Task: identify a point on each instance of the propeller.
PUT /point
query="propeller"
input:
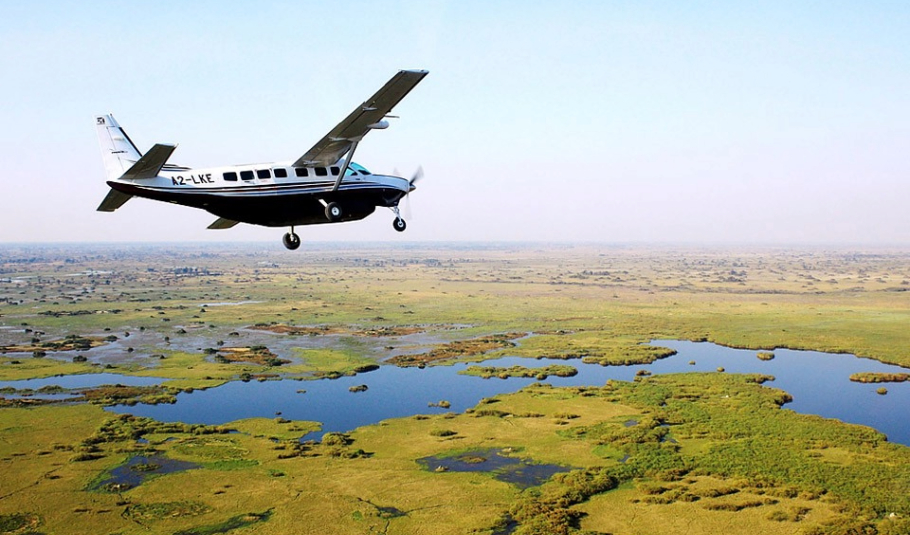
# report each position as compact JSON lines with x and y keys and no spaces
{"x":418,"y":174}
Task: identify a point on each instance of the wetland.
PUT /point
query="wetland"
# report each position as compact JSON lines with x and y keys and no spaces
{"x":406,"y":361}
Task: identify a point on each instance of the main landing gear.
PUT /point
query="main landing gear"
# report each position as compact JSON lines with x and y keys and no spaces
{"x":291,"y":240}
{"x":333,"y":212}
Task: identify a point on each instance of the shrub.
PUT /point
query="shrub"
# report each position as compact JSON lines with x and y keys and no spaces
{"x":336,"y":439}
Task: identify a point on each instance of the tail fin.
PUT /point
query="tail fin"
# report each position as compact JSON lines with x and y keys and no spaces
{"x":117,"y":150}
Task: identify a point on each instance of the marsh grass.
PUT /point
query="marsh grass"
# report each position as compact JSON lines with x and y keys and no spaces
{"x":273,"y":428}
{"x":582,"y":302}
{"x":160,"y":510}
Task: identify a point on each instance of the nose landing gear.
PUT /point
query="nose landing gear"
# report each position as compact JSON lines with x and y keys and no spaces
{"x":398,"y":224}
{"x":291,"y":240}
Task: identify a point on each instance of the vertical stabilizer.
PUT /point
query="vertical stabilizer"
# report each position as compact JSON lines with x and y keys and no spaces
{"x":117,"y":150}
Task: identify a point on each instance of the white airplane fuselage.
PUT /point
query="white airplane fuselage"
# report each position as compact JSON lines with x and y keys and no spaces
{"x":273,"y":194}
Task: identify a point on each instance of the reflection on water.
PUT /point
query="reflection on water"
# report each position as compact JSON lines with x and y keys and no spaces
{"x":818,"y":382}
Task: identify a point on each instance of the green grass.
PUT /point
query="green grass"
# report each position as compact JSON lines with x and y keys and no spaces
{"x":275,"y":428}
{"x":792,"y":473}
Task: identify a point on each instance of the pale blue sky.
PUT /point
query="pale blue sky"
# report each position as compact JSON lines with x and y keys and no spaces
{"x":698,"y":122}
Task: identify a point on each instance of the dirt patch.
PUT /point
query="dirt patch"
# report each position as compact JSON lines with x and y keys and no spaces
{"x":458,"y":349}
{"x":389,"y":331}
{"x":255,"y":354}
{"x":324,"y":330}
{"x":318,"y":330}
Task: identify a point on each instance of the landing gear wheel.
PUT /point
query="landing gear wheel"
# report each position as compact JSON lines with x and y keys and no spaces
{"x":333,"y":211}
{"x":399,"y":224}
{"x":291,"y":240}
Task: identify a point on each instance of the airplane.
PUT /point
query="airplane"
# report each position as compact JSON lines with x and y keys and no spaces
{"x":322,"y":186}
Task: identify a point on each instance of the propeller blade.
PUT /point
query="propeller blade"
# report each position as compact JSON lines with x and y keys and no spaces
{"x":407,"y":207}
{"x":418,"y":174}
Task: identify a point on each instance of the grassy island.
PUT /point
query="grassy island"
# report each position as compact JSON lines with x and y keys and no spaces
{"x":880,"y":377}
{"x":542,"y":373}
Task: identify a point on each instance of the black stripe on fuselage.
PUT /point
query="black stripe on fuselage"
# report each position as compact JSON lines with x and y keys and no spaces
{"x":256,"y":190}
{"x":271,"y":207}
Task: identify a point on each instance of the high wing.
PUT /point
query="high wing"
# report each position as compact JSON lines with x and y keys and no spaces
{"x":366,"y":117}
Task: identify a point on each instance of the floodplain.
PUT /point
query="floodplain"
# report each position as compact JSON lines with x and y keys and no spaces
{"x":692,"y":452}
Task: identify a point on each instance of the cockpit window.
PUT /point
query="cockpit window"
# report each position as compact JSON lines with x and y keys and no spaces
{"x":359,"y":168}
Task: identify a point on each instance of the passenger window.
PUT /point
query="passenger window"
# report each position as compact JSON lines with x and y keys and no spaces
{"x":281,"y":173}
{"x":232,"y":176}
{"x":246,"y":175}
{"x":263,"y":173}
{"x":300,"y":171}
{"x":321,"y":171}
{"x":335,"y":171}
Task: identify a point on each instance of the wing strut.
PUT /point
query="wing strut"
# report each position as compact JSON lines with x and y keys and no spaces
{"x":344,"y":168}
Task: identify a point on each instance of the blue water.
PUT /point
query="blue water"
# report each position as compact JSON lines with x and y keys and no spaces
{"x":818,"y":382}
{"x":514,"y":470}
{"x":87,"y":380}
{"x":124,"y":477}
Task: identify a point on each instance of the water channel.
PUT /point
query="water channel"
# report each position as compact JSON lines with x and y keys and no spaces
{"x":819,"y":383}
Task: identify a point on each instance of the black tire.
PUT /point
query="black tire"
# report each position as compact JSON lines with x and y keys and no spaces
{"x":399,"y":224}
{"x":333,"y":211}
{"x":291,"y":240}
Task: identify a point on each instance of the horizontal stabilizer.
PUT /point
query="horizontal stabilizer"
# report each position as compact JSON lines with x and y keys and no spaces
{"x":151,"y":162}
{"x":114,"y":200}
{"x":222,"y":223}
